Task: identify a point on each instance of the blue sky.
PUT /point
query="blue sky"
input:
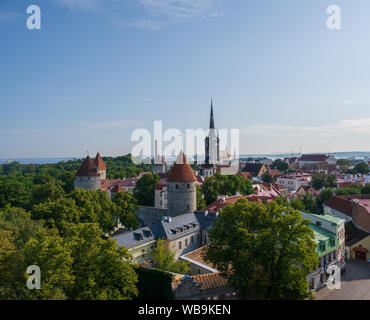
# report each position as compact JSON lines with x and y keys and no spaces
{"x":98,"y":69}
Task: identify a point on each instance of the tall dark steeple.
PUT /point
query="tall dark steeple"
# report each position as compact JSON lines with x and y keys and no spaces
{"x":212,"y":121}
{"x":212,"y":143}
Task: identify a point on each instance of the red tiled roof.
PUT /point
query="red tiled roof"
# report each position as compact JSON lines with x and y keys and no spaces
{"x":274,"y":172}
{"x":314,"y":157}
{"x":340,"y":204}
{"x":245,"y":175}
{"x":87,"y":169}
{"x":117,"y":188}
{"x":99,"y":163}
{"x":347,"y":184}
{"x":162,"y":184}
{"x":181,"y":171}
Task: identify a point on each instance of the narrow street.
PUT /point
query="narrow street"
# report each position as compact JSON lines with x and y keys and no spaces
{"x":355,"y":284}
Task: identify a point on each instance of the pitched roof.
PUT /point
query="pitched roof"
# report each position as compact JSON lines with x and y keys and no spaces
{"x":87,"y":169}
{"x":354,"y":234}
{"x":117,"y":188}
{"x":204,"y":282}
{"x":253,"y":168}
{"x":340,"y":204}
{"x":181,"y":170}
{"x":313,"y":157}
{"x":99,"y":163}
{"x":171,"y":229}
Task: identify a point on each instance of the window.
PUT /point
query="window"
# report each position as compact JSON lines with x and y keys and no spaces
{"x":198,"y":238}
{"x":188,"y":186}
{"x":180,"y":245}
{"x":192,"y":240}
{"x":177,"y":186}
{"x":318,"y":223}
{"x":188,"y":207}
{"x":186,"y":242}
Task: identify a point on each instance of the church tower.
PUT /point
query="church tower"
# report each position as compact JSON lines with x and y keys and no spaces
{"x":181,"y":188}
{"x":212,"y":143}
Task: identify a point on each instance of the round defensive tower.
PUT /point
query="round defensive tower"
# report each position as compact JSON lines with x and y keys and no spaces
{"x":87,"y":176}
{"x":181,"y":188}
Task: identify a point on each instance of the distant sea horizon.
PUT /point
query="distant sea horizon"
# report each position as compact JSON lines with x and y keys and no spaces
{"x":354,"y":155}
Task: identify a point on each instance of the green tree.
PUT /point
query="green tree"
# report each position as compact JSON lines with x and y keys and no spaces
{"x":48,"y":191}
{"x":126,"y":206}
{"x":279,"y":165}
{"x":152,"y":278}
{"x":164,"y":259}
{"x":343,"y":162}
{"x":58,"y":214}
{"x":12,"y":280}
{"x":14,"y":191}
{"x":318,"y":180}
{"x":297,"y":204}
{"x":266,"y":251}
{"x":362,"y":168}
{"x":268,"y":178}
{"x":201,"y":203}
{"x":326,"y":194}
{"x":366,"y":189}
{"x":225,"y":185}
{"x":51,"y":254}
{"x":101,"y":269}
{"x":309,"y":203}
{"x":144,"y":189}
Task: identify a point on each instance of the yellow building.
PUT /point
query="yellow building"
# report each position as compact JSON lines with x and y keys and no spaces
{"x":360,"y":250}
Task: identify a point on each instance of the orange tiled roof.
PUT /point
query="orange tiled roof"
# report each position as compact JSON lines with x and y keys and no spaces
{"x":181,"y":171}
{"x":87,"y":169}
{"x":117,"y":188}
{"x":99,"y":163}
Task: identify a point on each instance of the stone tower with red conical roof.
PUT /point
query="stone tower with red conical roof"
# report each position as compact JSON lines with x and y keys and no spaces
{"x":88,"y":176}
{"x":100,"y":165}
{"x":181,"y":188}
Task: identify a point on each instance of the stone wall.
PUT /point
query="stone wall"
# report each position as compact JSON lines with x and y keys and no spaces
{"x":87,"y":183}
{"x":181,"y":198}
{"x":149,"y":215}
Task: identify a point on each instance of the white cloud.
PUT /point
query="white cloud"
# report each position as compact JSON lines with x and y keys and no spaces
{"x":80,"y":4}
{"x":183,"y":9}
{"x":33,"y":131}
{"x":112,"y":124}
{"x":342,"y":128}
{"x":148,"y":14}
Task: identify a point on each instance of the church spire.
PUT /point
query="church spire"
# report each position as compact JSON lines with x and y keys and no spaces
{"x":212,"y":121}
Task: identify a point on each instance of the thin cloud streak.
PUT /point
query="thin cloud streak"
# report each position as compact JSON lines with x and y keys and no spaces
{"x":343,"y":128}
{"x":149,"y":14}
{"x":34,"y":131}
{"x":112,"y":124}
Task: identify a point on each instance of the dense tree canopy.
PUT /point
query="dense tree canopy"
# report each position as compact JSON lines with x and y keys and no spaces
{"x":279,"y":165}
{"x":321,"y":180}
{"x":164,"y":259}
{"x":266,"y":251}
{"x":144,"y":189}
{"x":44,"y":221}
{"x":77,"y":265}
{"x":362,"y":168}
{"x":225,"y":185}
{"x":126,"y":206}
